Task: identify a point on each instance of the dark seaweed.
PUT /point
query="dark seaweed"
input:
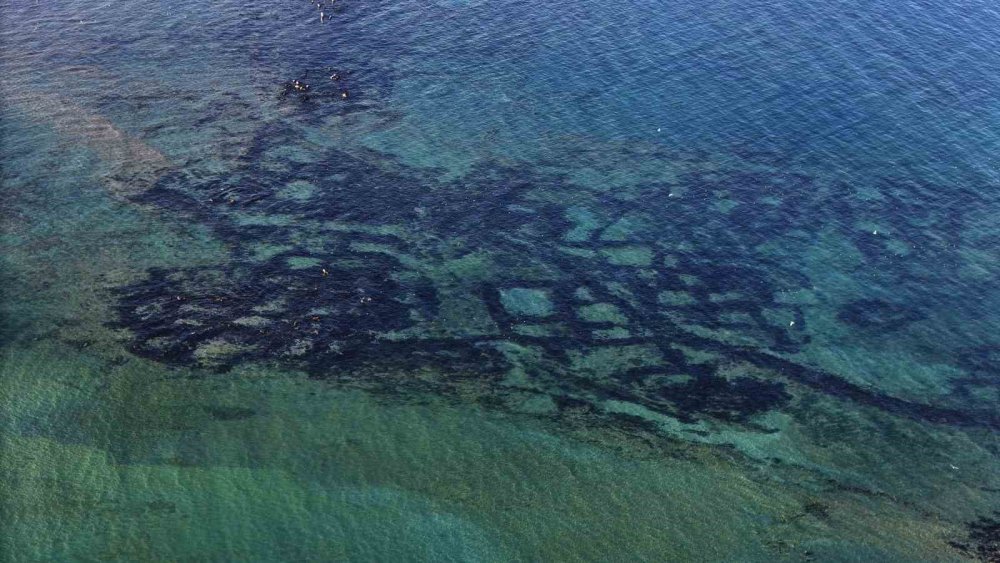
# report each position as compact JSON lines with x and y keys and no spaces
{"x":983,"y":542}
{"x":362,"y":313}
{"x":877,"y":314}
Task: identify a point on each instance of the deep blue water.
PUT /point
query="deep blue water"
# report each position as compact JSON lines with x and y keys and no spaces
{"x":677,"y":247}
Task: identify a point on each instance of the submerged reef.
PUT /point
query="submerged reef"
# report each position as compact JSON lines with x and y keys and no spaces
{"x":660,"y":298}
{"x":983,"y":542}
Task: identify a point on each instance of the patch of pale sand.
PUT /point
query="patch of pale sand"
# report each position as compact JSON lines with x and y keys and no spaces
{"x":133,"y":166}
{"x":254,"y":321}
{"x":218,"y":350}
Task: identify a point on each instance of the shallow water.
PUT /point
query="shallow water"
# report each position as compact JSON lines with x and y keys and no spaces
{"x":592,"y":281}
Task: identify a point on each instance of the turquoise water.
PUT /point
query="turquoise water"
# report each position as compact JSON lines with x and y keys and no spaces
{"x":700,"y":281}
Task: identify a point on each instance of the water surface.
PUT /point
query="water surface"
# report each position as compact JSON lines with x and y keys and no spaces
{"x":690,"y":281}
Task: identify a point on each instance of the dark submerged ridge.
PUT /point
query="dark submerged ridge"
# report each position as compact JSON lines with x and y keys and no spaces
{"x":983,"y":541}
{"x":369,"y":295}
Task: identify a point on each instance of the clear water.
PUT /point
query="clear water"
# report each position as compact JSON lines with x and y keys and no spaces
{"x":711,"y":281}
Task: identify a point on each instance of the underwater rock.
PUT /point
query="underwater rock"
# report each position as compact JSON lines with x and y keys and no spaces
{"x":675,"y":298}
{"x":218,"y":351}
{"x":982,"y":362}
{"x":983,"y":542}
{"x":628,"y":256}
{"x":602,"y":313}
{"x":356,"y":306}
{"x":520,"y":301}
{"x":484,"y":286}
{"x":877,"y":314}
{"x":220,"y":412}
{"x":717,"y":397}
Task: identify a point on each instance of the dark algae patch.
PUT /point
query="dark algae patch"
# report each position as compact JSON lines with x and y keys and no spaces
{"x":354,"y":266}
{"x":983,"y":542}
{"x":220,"y":412}
{"x":877,"y":314}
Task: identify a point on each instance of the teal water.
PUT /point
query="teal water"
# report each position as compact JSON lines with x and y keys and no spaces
{"x":700,"y":281}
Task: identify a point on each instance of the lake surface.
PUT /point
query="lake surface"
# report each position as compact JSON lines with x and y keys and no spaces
{"x":492,"y":281}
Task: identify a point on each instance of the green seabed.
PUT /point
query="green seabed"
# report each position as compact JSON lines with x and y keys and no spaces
{"x":244,"y":451}
{"x":124,"y":460}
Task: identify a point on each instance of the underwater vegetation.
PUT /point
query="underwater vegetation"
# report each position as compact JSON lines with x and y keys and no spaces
{"x":983,"y":542}
{"x":515,"y":281}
